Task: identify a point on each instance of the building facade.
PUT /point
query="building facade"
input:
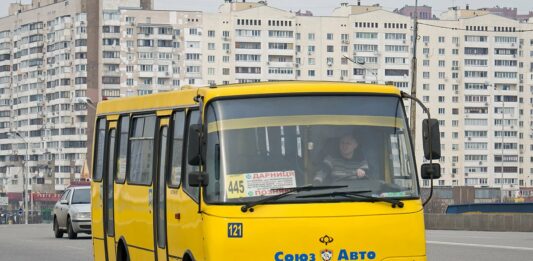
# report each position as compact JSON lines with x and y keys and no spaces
{"x":42,"y":71}
{"x":474,"y":73}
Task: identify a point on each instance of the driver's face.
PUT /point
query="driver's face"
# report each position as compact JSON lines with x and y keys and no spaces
{"x":347,"y":146}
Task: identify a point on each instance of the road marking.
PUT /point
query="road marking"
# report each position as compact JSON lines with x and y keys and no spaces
{"x":479,"y":245}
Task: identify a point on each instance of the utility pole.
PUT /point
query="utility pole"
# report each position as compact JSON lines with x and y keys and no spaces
{"x":503,"y":145}
{"x":25,"y":174}
{"x":412,"y":116}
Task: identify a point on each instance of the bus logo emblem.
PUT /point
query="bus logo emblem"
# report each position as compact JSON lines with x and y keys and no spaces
{"x":326,"y":240}
{"x":326,"y":254}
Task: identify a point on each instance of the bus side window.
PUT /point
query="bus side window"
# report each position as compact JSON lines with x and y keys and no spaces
{"x":99,"y":149}
{"x":193,"y":117}
{"x":124,"y":126}
{"x":141,"y":150}
{"x":178,"y":121}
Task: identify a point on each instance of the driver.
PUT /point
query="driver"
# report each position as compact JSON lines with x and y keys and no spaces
{"x":348,"y":163}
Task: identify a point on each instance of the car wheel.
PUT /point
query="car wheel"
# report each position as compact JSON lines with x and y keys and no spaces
{"x":57,"y":232}
{"x":70,"y":230}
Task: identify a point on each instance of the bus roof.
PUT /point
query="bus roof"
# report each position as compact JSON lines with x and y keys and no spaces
{"x":185,"y":98}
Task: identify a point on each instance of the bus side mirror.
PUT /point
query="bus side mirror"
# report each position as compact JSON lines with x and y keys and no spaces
{"x":198,"y":179}
{"x":195,"y":147}
{"x":63,"y":202}
{"x":431,"y":135}
{"x":430,"y":171}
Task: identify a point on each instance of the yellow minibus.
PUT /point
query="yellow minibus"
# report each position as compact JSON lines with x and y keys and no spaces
{"x":285,"y":171}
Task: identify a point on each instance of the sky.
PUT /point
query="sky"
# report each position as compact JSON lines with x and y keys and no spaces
{"x":322,"y":7}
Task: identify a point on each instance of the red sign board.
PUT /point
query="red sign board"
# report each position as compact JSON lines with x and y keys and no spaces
{"x":37,"y":197}
{"x":14,"y":196}
{"x":46,"y":197}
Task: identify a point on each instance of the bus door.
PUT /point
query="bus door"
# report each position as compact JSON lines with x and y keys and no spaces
{"x":137,"y":197}
{"x":108,"y":191}
{"x":97,"y":225}
{"x":160,"y":220}
{"x":183,"y":224}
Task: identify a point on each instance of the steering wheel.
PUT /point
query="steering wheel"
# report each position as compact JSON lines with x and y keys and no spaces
{"x":352,"y":177}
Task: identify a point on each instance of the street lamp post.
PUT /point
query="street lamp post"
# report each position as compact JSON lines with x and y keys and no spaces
{"x":25,"y":175}
{"x":92,"y":105}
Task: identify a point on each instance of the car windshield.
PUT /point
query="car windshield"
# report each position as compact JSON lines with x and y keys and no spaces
{"x":81,"y":196}
{"x":258,"y":146}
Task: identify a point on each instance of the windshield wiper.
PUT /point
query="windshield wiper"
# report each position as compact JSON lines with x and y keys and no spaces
{"x":357,"y":194}
{"x":250,"y":205}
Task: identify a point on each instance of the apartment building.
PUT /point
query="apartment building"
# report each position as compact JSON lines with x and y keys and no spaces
{"x":474,"y":72}
{"x":477,"y":80}
{"x":42,"y":71}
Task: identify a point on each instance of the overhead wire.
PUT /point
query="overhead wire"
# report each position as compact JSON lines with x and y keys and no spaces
{"x":464,"y":29}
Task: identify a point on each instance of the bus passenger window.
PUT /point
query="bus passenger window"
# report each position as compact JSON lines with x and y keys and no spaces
{"x":193,"y":118}
{"x":142,"y":150}
{"x":123,"y":148}
{"x":99,"y":150}
{"x":177,"y":148}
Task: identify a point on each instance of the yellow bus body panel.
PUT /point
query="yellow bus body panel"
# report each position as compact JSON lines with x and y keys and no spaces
{"x":134,"y":217}
{"x":185,"y":98}
{"x":97,"y":226}
{"x":276,"y":231}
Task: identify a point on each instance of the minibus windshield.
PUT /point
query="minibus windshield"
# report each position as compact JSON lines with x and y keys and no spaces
{"x":256,"y":147}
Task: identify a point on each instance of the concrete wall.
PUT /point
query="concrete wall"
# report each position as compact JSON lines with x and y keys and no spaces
{"x":480,"y":222}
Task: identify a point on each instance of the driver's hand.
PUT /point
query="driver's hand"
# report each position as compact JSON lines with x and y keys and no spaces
{"x":360,"y":173}
{"x":317,"y":181}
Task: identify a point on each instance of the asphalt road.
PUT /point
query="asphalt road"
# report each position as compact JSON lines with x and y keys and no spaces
{"x":475,"y":245}
{"x":36,"y":242}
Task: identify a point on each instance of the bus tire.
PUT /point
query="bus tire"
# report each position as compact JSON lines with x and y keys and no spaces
{"x":188,"y":256}
{"x":122,"y":252}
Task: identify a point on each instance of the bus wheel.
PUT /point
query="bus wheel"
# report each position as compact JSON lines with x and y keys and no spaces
{"x":187,"y":257}
{"x":122,"y":254}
